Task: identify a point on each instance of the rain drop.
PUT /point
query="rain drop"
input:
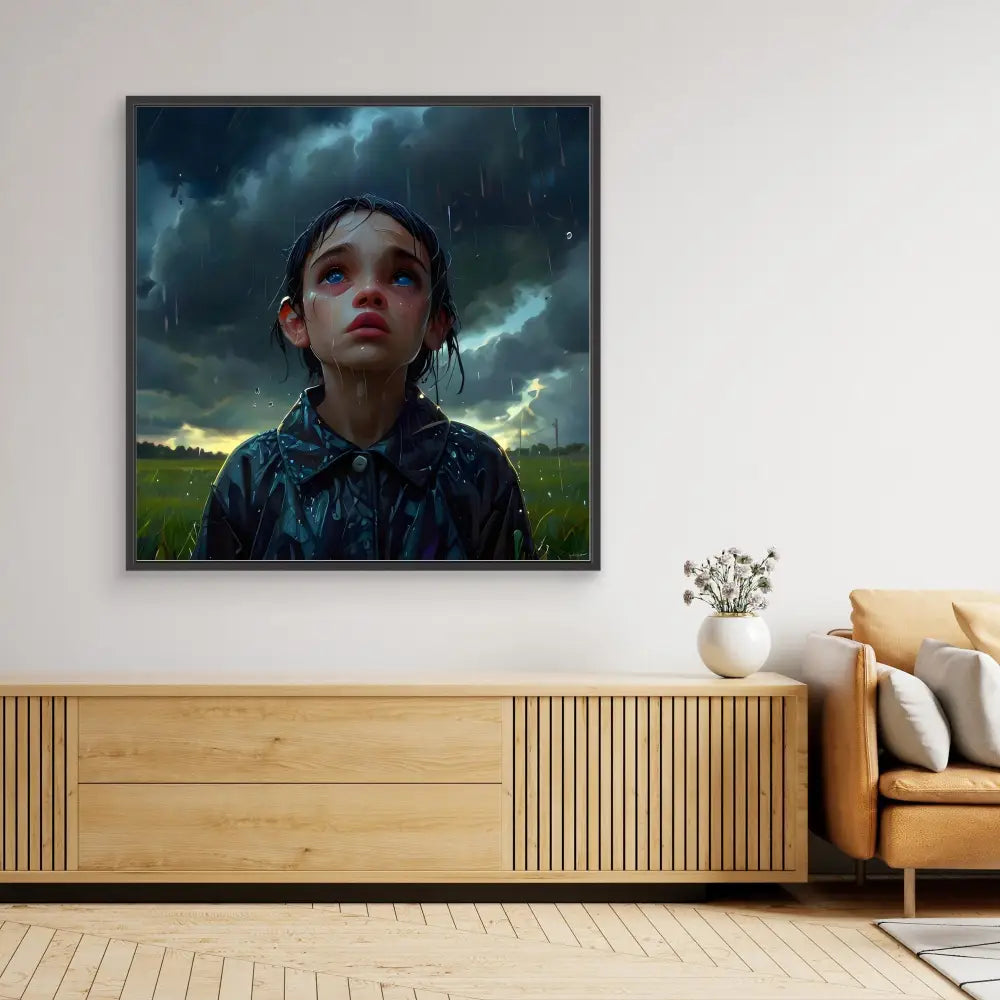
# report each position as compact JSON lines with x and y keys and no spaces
{"x":256,"y":391}
{"x":569,"y":236}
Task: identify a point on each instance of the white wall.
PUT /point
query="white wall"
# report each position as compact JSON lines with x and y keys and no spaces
{"x":799,"y":329}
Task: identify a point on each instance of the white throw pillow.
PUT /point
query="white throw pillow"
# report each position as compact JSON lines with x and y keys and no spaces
{"x":967,"y":683}
{"x":911,"y":723}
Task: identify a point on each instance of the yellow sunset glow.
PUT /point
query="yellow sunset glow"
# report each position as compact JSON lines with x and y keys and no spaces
{"x":197,"y":437}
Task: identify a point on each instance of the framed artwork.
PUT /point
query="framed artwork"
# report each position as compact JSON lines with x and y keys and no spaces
{"x":363,"y":333}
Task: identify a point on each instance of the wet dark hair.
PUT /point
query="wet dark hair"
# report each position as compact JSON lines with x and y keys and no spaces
{"x":441,"y":298}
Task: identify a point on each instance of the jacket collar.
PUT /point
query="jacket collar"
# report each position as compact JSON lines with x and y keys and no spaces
{"x":413,"y":445}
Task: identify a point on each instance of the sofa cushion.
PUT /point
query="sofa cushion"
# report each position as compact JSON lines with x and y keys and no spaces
{"x":942,"y":835}
{"x":911,"y":723}
{"x":980,"y":621}
{"x":895,"y":622}
{"x":967,"y":683}
{"x":960,"y":783}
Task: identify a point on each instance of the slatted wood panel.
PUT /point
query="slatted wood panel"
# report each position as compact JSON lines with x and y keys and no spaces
{"x":39,"y":755}
{"x":706,"y":784}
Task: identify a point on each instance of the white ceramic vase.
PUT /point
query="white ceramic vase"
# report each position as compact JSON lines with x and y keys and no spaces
{"x":734,"y":645}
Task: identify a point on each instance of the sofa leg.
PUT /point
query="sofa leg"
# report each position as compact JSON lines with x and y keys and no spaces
{"x":909,"y":892}
{"x":860,"y":870}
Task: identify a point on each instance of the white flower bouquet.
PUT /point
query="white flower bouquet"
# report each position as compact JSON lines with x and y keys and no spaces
{"x":731,"y":582}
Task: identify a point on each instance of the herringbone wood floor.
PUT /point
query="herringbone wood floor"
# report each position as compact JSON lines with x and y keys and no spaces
{"x":812,"y":942}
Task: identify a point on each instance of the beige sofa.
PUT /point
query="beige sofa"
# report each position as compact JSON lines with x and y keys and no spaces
{"x":860,"y":799}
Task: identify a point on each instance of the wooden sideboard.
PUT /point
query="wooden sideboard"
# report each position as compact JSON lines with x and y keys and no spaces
{"x":610,"y":778}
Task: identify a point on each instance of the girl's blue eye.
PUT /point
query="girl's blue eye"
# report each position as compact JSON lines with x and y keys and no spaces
{"x":335,"y":276}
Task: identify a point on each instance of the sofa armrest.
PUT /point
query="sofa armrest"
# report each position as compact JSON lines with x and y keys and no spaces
{"x":843,"y":747}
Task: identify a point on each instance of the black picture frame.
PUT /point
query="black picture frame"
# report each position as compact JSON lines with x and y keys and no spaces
{"x":134,"y":104}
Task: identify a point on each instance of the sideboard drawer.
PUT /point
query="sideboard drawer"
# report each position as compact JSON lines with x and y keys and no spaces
{"x":289,"y":827}
{"x":273,"y":739}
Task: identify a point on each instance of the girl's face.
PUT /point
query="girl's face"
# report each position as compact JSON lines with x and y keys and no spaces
{"x":365,"y":297}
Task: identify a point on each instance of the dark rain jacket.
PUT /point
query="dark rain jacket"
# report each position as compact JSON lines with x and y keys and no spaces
{"x":432,"y":488}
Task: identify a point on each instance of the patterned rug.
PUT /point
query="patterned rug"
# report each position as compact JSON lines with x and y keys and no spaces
{"x":966,"y":950}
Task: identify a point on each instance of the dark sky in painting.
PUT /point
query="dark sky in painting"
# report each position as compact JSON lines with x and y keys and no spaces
{"x":222,"y":192}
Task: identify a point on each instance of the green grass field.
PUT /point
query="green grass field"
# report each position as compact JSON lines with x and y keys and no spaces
{"x":555,"y":490}
{"x":171,"y":494}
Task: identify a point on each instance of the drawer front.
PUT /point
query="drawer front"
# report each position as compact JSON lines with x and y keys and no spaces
{"x":270,"y":739}
{"x":303,"y":827}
